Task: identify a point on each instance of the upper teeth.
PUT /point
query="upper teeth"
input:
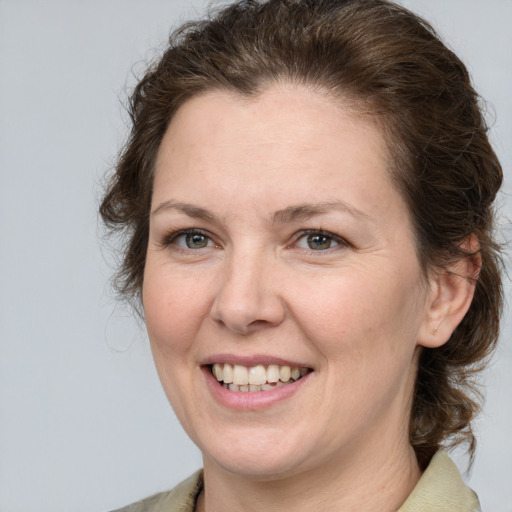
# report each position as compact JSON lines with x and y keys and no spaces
{"x":256,"y":375}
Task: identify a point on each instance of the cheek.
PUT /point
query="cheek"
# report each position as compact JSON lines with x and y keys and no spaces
{"x":174,"y":308}
{"x":174,"y":312}
{"x":358,"y":315}
{"x":365,"y":331}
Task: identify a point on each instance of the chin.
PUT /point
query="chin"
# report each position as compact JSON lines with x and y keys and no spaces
{"x":257,"y":467}
{"x":268,"y":457}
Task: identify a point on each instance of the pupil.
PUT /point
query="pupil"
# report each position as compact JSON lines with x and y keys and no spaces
{"x":196,"y":241}
{"x":319,"y":242}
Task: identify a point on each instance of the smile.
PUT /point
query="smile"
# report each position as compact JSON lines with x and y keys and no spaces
{"x":256,"y":378}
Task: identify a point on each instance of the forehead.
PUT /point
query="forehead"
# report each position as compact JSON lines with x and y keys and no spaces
{"x":281,"y":104}
{"x":288,"y":139}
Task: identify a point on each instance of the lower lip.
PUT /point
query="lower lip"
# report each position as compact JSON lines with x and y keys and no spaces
{"x":251,"y":400}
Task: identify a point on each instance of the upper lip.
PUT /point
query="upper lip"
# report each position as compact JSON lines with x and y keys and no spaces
{"x":252,"y":360}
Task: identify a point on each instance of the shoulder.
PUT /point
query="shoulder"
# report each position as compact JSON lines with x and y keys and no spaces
{"x":441,"y":489}
{"x":180,"y":499}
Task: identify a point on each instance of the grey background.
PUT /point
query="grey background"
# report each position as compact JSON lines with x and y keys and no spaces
{"x":84,"y":425}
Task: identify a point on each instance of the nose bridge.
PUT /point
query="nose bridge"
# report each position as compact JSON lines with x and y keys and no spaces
{"x":247,"y":297}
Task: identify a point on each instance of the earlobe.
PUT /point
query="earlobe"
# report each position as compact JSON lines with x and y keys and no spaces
{"x":451,"y":294}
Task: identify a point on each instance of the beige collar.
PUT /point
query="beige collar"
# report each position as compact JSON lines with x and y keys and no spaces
{"x":441,"y":489}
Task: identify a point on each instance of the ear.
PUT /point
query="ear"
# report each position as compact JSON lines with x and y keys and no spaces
{"x":451,"y":293}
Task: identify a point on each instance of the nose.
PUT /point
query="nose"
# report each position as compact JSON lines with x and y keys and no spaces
{"x":248,"y":299}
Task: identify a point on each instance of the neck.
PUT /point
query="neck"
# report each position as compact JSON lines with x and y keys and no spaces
{"x":354,"y":481}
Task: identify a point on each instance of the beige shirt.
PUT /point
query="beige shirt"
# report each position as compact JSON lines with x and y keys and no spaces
{"x":440,"y":489}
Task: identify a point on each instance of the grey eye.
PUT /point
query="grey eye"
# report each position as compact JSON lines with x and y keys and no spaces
{"x":196,"y":241}
{"x":319,"y":242}
{"x":189,"y":240}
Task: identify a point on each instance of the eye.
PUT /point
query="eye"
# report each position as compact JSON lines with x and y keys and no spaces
{"x":189,"y":239}
{"x":318,"y":241}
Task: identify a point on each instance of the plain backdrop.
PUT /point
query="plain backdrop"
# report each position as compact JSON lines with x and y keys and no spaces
{"x":84,"y":425}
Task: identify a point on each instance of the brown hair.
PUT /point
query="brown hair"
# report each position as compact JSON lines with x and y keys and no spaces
{"x":394,"y":67}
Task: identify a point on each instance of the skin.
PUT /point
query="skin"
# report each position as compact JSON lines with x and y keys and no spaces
{"x":356,"y":310}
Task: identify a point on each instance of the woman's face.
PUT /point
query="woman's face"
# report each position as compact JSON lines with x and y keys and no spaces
{"x":278,"y":242}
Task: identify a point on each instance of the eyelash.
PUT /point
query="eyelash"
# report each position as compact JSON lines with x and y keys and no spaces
{"x":169,"y":241}
{"x":341,"y":242}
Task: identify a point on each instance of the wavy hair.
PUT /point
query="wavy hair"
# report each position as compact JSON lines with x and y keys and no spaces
{"x":391,"y":65}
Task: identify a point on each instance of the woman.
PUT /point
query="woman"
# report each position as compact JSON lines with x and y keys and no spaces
{"x":307,"y":198}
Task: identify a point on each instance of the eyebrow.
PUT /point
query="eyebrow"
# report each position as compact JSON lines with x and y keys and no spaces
{"x":294,"y":213}
{"x":306,"y":211}
{"x":188,"y":209}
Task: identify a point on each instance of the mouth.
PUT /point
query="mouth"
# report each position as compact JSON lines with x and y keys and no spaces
{"x":261,"y":377}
